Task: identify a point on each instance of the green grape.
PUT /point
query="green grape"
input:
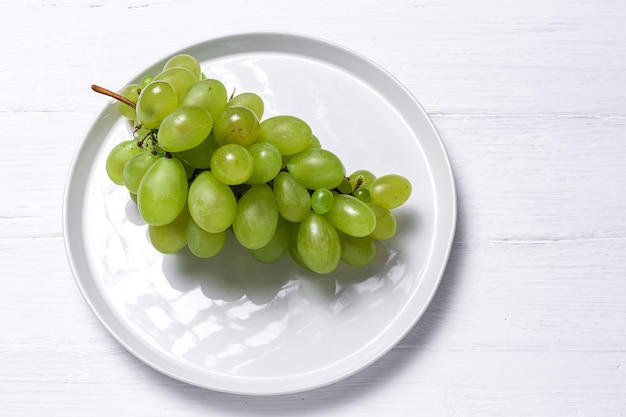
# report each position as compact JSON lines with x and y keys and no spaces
{"x":131,"y":92}
{"x":180,"y":78}
{"x":385,"y":223}
{"x":232,"y":164}
{"x":292,"y":198}
{"x":141,"y":133}
{"x":202,"y":243}
{"x":288,"y":133}
{"x":249,"y":100}
{"x":361,"y":178}
{"x":357,"y":251}
{"x":267,"y":162}
{"x":162,"y":192}
{"x":362,"y":194}
{"x":200,"y":156}
{"x":315,"y":142}
{"x":318,"y":243}
{"x":117,"y":159}
{"x":344,"y":187}
{"x":293,"y":245}
{"x":172,"y":237}
{"x":184,"y":128}
{"x":277,"y":246}
{"x":317,"y":168}
{"x":146,"y":80}
{"x":270,"y":181}
{"x":236,"y":125}
{"x":256,"y":217}
{"x":212,"y":204}
{"x":184,"y":61}
{"x":189,"y":170}
{"x":351,"y":216}
{"x":285,"y":159}
{"x":209,"y":94}
{"x":390,"y":191}
{"x":156,"y":101}
{"x":136,"y":167}
{"x":322,"y":200}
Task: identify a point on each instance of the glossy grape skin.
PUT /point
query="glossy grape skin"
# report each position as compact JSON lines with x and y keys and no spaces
{"x":184,"y":61}
{"x":385,"y":223}
{"x":267,"y":163}
{"x":202,"y":243}
{"x":212,"y":204}
{"x":277,"y":246}
{"x":322,"y":200}
{"x":184,"y":129}
{"x":317,"y":168}
{"x":156,"y":101}
{"x":362,"y":194}
{"x":180,"y":78}
{"x":131,"y":92}
{"x":256,"y":217}
{"x":162,"y":192}
{"x":232,"y":164}
{"x":200,"y":156}
{"x":357,"y":251}
{"x":292,"y":198}
{"x":117,"y":159}
{"x":318,"y":244}
{"x":351,"y":216}
{"x":210,"y":94}
{"x":390,"y":191}
{"x":136,"y":167}
{"x":288,"y":133}
{"x":237,"y":125}
{"x":250,"y":100}
{"x":172,"y":237}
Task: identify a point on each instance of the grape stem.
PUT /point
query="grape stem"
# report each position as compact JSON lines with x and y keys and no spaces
{"x":114,"y":95}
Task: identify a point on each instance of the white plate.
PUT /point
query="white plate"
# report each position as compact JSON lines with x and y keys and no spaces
{"x":230,"y":323}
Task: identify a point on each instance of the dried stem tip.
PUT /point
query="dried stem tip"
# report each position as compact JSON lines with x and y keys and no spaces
{"x":113,"y":94}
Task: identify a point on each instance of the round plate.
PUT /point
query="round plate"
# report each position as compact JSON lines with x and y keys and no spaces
{"x":231,"y":323}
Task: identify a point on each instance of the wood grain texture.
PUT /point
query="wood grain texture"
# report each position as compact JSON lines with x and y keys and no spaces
{"x":530,"y":318}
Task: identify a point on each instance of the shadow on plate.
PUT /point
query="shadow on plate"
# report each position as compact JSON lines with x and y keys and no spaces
{"x":234,"y":273}
{"x":360,"y":385}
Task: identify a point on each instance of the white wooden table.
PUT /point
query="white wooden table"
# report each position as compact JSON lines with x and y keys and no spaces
{"x":530,"y":100}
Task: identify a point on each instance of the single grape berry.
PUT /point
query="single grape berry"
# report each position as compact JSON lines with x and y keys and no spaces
{"x":322,"y":200}
{"x":362,"y":194}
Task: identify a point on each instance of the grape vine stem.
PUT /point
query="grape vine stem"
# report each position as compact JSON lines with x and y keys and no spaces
{"x":113,"y":94}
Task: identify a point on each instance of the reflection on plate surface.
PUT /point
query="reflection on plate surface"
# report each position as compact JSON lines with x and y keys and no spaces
{"x":233,"y":324}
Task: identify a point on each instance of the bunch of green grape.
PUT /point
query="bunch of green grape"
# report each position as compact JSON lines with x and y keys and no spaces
{"x":201,"y":164}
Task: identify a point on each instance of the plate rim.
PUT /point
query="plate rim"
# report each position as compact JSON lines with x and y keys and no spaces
{"x":76,"y":260}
